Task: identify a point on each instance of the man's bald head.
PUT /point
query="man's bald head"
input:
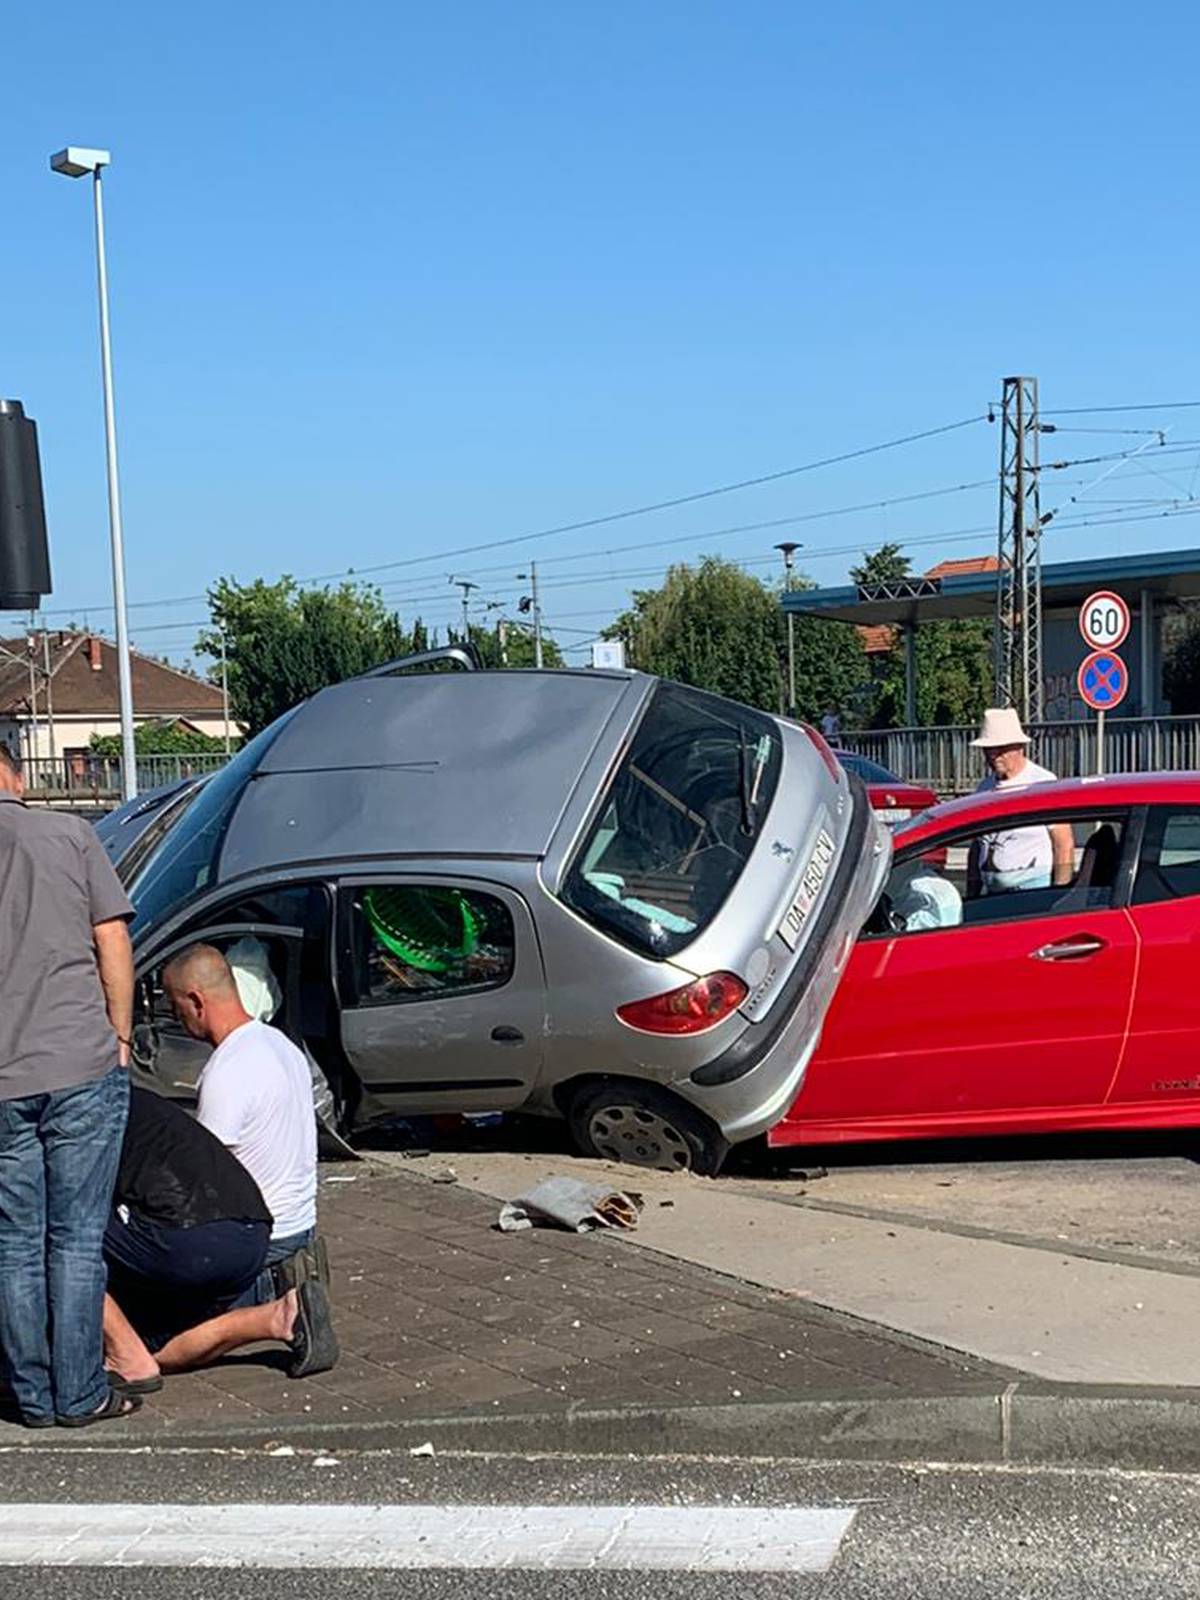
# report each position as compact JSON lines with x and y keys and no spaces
{"x":202,"y":967}
{"x":203,"y":993}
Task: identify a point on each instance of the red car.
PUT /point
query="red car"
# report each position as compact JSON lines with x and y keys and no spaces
{"x":895,"y":800}
{"x":1047,"y":1007}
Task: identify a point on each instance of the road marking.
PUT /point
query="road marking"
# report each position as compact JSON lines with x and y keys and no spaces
{"x":541,"y":1538}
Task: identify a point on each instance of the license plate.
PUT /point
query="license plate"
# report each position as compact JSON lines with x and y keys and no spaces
{"x":811,"y":884}
{"x":893,"y":815}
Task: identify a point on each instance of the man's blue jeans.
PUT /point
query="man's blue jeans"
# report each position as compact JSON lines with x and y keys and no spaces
{"x":58,"y":1164}
{"x":263,"y":1290}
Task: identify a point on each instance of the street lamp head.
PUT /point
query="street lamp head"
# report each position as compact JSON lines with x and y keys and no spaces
{"x":788,"y":549}
{"x":76,"y":161}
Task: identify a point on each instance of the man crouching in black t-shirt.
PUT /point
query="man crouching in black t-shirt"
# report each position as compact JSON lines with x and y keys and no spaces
{"x":188,"y":1235}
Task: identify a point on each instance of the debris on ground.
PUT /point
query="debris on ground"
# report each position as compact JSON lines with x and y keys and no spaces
{"x":446,"y":1175}
{"x":570,"y":1203}
{"x":425,"y":1449}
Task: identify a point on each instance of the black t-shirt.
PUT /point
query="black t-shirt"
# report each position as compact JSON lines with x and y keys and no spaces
{"x":174,"y":1171}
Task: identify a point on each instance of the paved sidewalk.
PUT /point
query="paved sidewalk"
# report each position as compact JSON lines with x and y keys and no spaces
{"x":439,"y":1314}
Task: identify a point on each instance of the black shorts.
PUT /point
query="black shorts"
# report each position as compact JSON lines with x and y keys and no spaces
{"x":168,"y":1279}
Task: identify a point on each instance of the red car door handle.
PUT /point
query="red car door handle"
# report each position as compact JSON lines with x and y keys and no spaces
{"x":1077,"y":948}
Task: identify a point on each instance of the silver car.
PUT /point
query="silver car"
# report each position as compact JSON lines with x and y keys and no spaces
{"x":600,"y":895}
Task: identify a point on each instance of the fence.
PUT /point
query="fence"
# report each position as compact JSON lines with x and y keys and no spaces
{"x":943,"y":758}
{"x":96,"y":780}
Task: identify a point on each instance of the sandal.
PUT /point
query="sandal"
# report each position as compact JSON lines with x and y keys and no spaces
{"x":135,"y":1385}
{"x":117,"y":1405}
{"x":313,"y":1345}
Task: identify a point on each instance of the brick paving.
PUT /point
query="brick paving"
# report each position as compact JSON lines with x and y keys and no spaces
{"x":440,"y":1314}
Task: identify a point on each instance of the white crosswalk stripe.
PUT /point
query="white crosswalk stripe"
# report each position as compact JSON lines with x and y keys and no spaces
{"x":472,"y":1537}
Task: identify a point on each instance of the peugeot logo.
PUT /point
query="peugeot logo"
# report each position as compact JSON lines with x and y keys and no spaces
{"x":781,"y":849}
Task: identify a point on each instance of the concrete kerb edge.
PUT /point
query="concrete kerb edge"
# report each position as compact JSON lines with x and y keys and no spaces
{"x":1141,"y":1429}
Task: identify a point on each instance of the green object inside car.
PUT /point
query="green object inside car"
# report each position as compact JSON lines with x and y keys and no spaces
{"x":429,"y":929}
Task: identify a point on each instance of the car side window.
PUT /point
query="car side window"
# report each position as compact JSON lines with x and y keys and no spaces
{"x":412,"y":942}
{"x":994,"y":874}
{"x":1170,"y":864}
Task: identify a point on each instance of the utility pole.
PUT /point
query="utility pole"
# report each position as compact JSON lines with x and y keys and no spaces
{"x":31,"y":649}
{"x":788,"y":551}
{"x":51,"y":742}
{"x":225,"y":691}
{"x":531,"y":602}
{"x":1018,"y":642}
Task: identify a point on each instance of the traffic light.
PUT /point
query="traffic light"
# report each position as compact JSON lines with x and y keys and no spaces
{"x":24,"y":552}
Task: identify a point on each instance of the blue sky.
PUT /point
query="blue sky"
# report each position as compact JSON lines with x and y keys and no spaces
{"x":389,"y":280}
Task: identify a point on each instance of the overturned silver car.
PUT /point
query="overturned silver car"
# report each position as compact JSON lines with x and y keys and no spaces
{"x":594,"y":894}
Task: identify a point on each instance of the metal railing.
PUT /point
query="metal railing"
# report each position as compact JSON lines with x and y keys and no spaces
{"x":89,"y":780}
{"x":942,"y":758}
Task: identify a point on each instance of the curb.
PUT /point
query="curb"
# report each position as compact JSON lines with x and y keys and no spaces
{"x":1143,"y":1429}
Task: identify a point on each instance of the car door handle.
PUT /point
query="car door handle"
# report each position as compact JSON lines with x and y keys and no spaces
{"x":1077,"y":948}
{"x":504,"y":1035}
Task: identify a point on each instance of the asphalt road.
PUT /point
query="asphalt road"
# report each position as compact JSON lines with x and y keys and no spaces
{"x":918,"y":1531}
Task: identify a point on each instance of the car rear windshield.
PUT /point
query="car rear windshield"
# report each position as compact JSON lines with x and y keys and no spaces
{"x":869,"y":771}
{"x":185,"y":861}
{"x":678,"y":822}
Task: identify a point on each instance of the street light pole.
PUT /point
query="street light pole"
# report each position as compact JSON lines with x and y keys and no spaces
{"x":788,"y":551}
{"x":466,"y":585}
{"x":76,"y":163}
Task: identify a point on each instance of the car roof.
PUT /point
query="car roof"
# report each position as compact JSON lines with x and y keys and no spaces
{"x":453,"y":763}
{"x":1067,"y":794}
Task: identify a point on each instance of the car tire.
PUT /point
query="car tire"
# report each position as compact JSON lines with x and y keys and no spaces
{"x":617,"y":1119}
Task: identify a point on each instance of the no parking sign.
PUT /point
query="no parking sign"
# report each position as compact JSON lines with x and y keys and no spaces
{"x":1103,"y":680}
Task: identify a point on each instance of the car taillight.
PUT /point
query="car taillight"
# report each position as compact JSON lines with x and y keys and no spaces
{"x":825,"y":753}
{"x":691,"y":1009}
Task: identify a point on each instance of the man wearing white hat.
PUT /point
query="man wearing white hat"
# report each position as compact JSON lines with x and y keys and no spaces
{"x":1016,"y":858}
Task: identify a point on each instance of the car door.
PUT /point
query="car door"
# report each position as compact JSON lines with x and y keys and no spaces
{"x":279,"y":937}
{"x":166,"y":1057}
{"x":442,"y":991}
{"x":1162,"y":1057}
{"x":968,"y":1003}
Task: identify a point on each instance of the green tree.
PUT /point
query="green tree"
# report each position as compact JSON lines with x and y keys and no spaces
{"x":718,"y":628}
{"x":953,"y":658}
{"x":159,"y":739}
{"x":886,"y":565}
{"x":284,"y":643}
{"x":507,"y":646}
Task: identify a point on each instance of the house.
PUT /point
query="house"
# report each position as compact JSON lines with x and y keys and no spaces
{"x":42,"y":716}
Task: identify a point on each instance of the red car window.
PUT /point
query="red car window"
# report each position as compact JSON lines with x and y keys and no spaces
{"x":1170,"y":864}
{"x":1007,"y":870}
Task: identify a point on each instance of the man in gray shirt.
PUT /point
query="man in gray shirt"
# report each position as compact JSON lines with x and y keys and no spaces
{"x":66,"y":1009}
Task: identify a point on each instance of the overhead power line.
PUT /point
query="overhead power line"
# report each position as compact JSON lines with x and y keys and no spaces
{"x":1097,"y":411}
{"x":661,"y":505}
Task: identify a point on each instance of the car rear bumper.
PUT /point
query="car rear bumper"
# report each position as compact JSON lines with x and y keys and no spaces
{"x":748,"y":1089}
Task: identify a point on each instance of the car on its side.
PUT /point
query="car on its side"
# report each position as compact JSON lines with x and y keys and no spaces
{"x":595,"y":894}
{"x":1053,"y":1007}
{"x":895,"y":799}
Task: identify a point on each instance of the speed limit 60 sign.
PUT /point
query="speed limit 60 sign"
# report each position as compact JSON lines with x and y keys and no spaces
{"x":1104,"y":620}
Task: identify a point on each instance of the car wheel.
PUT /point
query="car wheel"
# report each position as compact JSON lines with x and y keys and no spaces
{"x":642,"y":1126}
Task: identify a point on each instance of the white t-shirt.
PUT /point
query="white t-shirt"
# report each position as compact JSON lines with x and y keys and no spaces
{"x":256,"y":1096}
{"x":1013,"y":855}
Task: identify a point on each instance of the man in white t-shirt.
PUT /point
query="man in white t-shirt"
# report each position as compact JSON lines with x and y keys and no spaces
{"x":1016,"y":858}
{"x":255,"y":1095}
